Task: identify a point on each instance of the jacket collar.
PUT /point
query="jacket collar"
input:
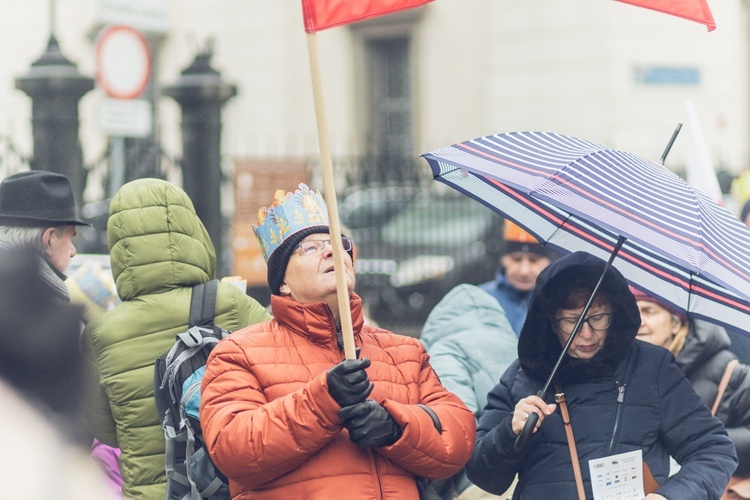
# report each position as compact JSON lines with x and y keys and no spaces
{"x":313,"y":320}
{"x":704,"y":340}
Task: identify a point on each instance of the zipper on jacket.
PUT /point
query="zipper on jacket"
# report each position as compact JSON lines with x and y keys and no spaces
{"x":618,"y":413}
{"x":374,"y":458}
{"x":339,"y":339}
{"x":337,"y":332}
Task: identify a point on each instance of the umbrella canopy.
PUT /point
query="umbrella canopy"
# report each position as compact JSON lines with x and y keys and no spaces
{"x":575,"y":195}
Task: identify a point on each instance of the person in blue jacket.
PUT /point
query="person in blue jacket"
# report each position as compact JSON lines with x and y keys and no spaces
{"x":522,"y":260}
{"x":622,"y":395}
{"x":470,"y":344}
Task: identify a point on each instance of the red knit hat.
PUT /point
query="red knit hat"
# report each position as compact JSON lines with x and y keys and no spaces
{"x":639,"y":295}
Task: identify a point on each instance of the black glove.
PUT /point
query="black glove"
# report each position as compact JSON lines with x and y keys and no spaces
{"x":370,"y":424}
{"x":348,"y":382}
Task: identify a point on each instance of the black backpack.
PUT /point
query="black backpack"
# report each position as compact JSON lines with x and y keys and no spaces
{"x":177,"y":382}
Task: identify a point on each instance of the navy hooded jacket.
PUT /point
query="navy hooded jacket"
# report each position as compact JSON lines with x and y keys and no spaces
{"x":629,"y":396}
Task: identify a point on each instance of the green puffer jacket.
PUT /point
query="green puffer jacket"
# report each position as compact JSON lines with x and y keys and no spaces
{"x":159,"y":249}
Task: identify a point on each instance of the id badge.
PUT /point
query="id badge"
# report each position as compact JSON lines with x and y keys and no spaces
{"x":618,"y":477}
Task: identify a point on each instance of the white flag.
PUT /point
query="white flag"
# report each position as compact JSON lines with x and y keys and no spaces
{"x":701,"y":174}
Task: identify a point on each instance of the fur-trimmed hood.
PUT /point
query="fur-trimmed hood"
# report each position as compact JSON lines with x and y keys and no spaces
{"x":538,"y":345}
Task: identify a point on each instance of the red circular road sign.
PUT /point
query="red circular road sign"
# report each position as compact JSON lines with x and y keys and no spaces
{"x":123,"y":62}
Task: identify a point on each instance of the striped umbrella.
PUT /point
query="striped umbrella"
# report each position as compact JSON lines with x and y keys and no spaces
{"x":573,"y":194}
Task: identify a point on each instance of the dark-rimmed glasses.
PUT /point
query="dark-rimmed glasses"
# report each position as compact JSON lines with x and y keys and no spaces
{"x":597,"y":322}
{"x":316,"y":247}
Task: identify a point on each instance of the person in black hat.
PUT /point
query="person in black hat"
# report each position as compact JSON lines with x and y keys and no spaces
{"x":38,"y":209}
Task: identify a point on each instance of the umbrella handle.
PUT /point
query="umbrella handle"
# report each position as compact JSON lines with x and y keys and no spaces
{"x":528,"y":428}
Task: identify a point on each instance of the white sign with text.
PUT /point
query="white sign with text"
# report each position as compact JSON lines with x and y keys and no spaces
{"x":618,"y":477}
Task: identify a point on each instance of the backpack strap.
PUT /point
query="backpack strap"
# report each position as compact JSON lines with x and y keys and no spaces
{"x":201,"y":293}
{"x":203,"y":304}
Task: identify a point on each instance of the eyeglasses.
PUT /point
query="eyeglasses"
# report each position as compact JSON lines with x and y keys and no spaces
{"x":597,"y":322}
{"x":316,"y":247}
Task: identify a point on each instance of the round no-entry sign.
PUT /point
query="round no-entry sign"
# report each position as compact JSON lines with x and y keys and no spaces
{"x":123,"y":62}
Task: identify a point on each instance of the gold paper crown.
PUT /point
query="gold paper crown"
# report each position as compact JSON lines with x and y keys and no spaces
{"x":288,"y":214}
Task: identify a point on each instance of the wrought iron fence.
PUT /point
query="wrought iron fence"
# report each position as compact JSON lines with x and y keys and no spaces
{"x":142,"y":158}
{"x":12,"y":160}
{"x":414,"y":240}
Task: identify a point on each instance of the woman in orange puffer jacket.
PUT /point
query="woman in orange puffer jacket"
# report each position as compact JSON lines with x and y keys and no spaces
{"x":284,"y":417}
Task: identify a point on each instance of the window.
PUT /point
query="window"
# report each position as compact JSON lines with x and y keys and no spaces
{"x":390,"y":129}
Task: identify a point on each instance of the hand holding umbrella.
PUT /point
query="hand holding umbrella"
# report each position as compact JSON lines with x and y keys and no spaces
{"x":530,"y":408}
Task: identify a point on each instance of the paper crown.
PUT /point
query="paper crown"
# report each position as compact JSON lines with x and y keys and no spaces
{"x":288,"y":214}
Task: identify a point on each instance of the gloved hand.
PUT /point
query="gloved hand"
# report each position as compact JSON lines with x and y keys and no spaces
{"x":348,"y":382}
{"x":370,"y":424}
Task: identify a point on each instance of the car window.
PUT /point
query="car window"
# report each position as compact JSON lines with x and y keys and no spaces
{"x":445,"y":222}
{"x":371,"y":213}
{"x":374,"y":207}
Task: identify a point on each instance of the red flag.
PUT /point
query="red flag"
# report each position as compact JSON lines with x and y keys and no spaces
{"x":694,"y":10}
{"x":323,"y":14}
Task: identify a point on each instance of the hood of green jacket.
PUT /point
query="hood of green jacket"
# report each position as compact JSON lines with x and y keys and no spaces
{"x":156,"y":240}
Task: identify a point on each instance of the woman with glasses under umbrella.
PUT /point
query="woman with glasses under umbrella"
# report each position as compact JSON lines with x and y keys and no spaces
{"x":620,"y":396}
{"x":284,"y":417}
{"x":702,"y":352}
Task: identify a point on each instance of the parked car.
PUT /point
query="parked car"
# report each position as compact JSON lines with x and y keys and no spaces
{"x":365,"y":211}
{"x":414,"y":245}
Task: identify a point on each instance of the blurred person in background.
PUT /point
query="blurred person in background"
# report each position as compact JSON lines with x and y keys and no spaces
{"x":38,"y":211}
{"x":470,"y":344}
{"x":740,"y":341}
{"x":702,"y":352}
{"x":522,"y":260}
{"x":92,"y":288}
{"x":745,"y":214}
{"x":283,"y":416}
{"x":159,"y":249}
{"x":45,"y":451}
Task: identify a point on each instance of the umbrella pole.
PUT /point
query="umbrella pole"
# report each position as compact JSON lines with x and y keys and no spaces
{"x":533,"y":417}
{"x":671,"y":142}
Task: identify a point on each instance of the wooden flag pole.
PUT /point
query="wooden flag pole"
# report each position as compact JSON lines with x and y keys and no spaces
{"x":329,"y":193}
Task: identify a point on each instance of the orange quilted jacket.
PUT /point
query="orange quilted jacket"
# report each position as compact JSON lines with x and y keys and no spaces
{"x":273,"y":429}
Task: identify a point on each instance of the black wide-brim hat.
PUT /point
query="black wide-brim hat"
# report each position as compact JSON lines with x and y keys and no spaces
{"x":38,"y":198}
